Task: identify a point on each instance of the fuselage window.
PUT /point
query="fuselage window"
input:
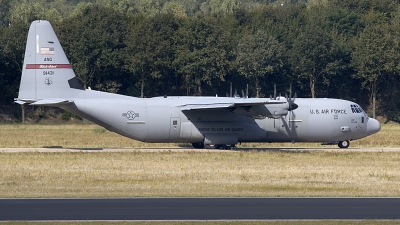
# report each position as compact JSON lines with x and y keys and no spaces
{"x":362,"y":119}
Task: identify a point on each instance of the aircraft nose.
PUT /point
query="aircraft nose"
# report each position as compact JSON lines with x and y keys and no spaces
{"x":373,"y":126}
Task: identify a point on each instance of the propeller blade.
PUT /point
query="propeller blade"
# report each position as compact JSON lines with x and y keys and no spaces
{"x":290,"y":100}
{"x":231,"y":90}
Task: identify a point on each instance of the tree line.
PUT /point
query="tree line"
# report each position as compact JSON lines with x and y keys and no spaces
{"x":145,"y":48}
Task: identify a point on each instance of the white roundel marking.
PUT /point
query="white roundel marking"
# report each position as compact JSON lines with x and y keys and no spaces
{"x":130,"y":115}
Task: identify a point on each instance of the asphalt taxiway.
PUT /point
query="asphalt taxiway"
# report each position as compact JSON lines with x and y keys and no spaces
{"x":200,"y":209}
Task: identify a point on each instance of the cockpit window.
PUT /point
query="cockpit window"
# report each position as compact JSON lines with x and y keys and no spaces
{"x":356,"y":109}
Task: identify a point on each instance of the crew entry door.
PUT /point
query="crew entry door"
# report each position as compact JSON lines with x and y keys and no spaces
{"x":175,"y":127}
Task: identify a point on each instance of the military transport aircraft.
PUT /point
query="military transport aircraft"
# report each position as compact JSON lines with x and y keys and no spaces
{"x":48,"y":79}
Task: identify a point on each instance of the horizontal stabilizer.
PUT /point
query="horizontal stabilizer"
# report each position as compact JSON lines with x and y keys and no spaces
{"x":20,"y":102}
{"x":50,"y":102}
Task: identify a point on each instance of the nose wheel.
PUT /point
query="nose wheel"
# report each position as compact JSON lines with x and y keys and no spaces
{"x":344,"y":144}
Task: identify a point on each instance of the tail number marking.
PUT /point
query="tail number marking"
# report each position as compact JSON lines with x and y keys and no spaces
{"x":48,"y":73}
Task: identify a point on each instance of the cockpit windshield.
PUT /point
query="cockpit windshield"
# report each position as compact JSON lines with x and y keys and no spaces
{"x":356,"y":109}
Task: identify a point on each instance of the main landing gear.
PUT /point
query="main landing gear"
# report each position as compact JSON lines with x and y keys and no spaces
{"x":198,"y":145}
{"x":227,"y":147}
{"x":344,"y":144}
{"x":224,"y":146}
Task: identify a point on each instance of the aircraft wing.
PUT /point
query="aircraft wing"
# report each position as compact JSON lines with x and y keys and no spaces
{"x":251,"y":107}
{"x":205,"y":106}
{"x":230,"y":103}
{"x":50,"y":102}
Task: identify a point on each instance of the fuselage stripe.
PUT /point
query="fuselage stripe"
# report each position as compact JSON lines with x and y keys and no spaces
{"x":48,"y":66}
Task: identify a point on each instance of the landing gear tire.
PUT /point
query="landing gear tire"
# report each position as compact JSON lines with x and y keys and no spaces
{"x":344,"y":144}
{"x":224,"y":146}
{"x":228,"y":147}
{"x":198,"y":145}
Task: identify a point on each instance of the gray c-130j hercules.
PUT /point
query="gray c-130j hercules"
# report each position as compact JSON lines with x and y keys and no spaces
{"x":48,"y":79}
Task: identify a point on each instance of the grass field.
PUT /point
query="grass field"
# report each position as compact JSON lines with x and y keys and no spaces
{"x":258,"y":172}
{"x":93,"y":136}
{"x":198,"y":174}
{"x":264,"y":172}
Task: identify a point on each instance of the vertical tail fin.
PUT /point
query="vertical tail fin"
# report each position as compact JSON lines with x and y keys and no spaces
{"x":46,"y":73}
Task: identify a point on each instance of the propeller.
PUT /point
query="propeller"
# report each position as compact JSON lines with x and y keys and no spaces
{"x":290,"y":100}
{"x":292,"y":105}
{"x":235,"y":93}
{"x":230,"y":95}
{"x":273,"y":98}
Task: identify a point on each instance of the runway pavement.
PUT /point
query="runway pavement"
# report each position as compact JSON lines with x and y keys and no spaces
{"x":200,"y":209}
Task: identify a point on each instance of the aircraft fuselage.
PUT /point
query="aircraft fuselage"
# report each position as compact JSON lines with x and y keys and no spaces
{"x":159,"y":120}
